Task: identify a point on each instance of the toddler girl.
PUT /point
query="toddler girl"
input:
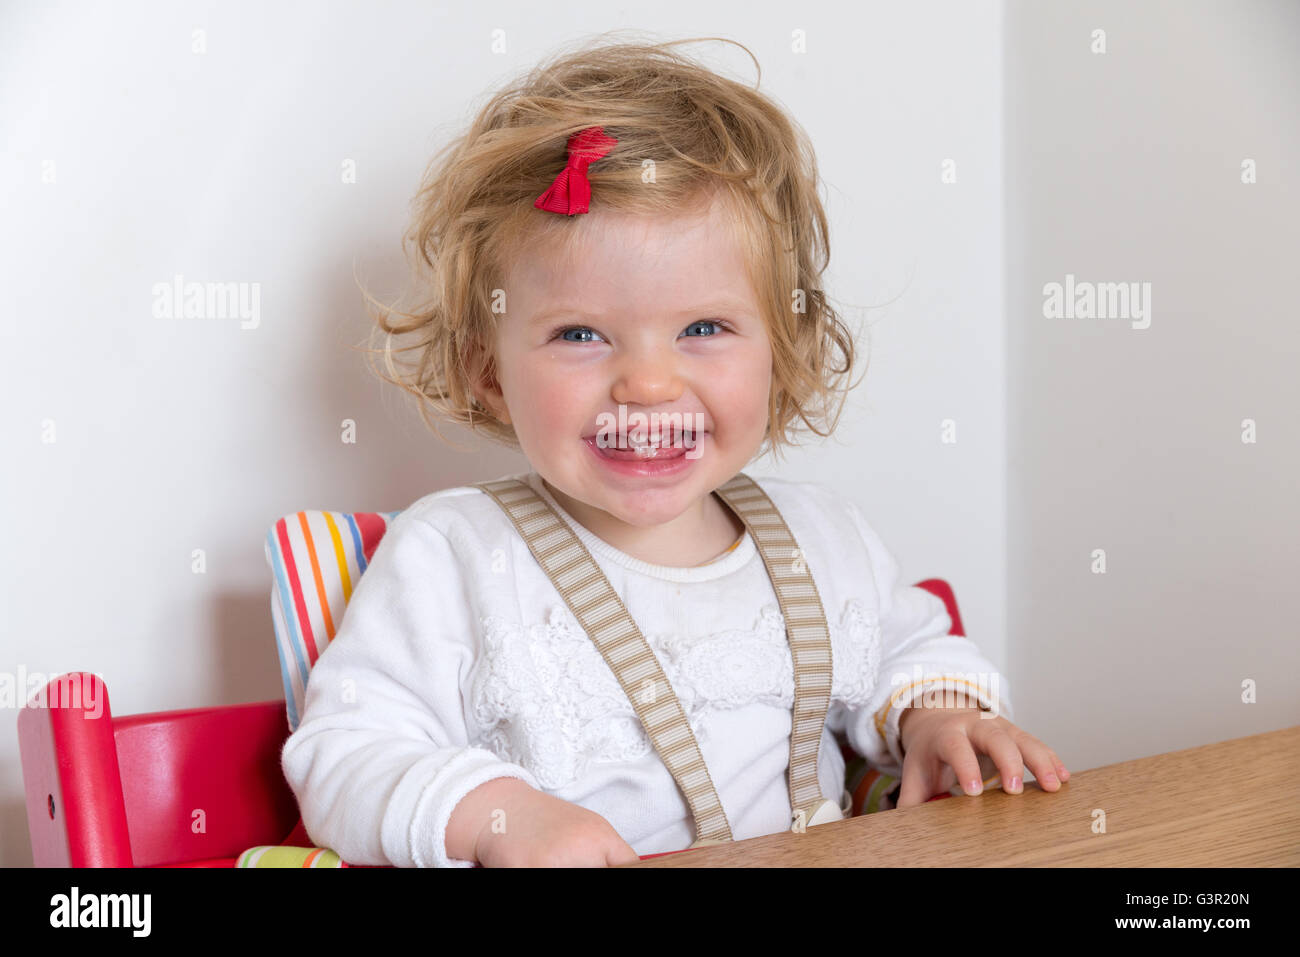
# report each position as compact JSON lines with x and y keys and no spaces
{"x":625,"y":251}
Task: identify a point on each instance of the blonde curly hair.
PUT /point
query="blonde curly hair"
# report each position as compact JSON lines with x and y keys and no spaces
{"x":703,"y":135}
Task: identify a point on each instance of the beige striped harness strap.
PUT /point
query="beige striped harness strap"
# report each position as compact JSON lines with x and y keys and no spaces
{"x":596,"y":605}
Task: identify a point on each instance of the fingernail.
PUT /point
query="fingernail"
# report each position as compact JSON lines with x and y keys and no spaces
{"x":1014,"y":787}
{"x":972,"y":787}
{"x":1065,"y":775}
{"x":1051,"y":779}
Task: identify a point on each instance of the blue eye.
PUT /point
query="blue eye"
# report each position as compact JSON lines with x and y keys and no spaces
{"x":592,"y":336}
{"x":564,"y":332}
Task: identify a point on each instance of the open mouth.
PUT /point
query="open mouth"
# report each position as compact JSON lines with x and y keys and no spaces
{"x":646,"y":443}
{"x":670,"y":447}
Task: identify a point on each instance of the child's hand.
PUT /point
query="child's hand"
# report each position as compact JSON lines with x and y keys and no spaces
{"x":545,"y":831}
{"x":940,"y":746}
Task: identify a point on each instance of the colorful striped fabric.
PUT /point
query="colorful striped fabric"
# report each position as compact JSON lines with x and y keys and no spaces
{"x":268,"y":855}
{"x":871,"y":789}
{"x":316,"y":559}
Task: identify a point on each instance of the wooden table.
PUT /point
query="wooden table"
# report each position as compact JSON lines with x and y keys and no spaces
{"x":1231,"y":804}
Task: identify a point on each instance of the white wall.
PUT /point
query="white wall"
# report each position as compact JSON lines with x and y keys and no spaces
{"x":175,"y":435}
{"x":1126,"y":167}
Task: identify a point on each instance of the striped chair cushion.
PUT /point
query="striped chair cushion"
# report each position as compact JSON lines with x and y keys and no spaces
{"x":273,"y":855}
{"x":316,"y":559}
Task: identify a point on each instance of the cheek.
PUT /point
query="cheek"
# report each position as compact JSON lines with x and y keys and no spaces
{"x":744,"y":380}
{"x":737,"y":397}
{"x":547,"y":393}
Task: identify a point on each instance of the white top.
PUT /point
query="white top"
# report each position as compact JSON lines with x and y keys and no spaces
{"x":457,"y":662}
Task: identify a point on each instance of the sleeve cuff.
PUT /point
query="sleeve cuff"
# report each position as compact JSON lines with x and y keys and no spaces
{"x":454,"y":780}
{"x":887,"y":718}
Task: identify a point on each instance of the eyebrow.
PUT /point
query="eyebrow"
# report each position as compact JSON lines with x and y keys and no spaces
{"x":559,"y":311}
{"x":577,"y":313}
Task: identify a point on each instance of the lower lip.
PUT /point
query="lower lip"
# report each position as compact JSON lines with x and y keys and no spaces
{"x":675,"y":463}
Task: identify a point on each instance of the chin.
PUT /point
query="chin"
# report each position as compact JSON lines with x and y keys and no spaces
{"x":647,"y":507}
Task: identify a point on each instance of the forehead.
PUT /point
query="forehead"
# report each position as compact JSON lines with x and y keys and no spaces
{"x":635,"y":264}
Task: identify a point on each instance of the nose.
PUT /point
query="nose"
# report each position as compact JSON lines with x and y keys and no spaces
{"x":647,"y":376}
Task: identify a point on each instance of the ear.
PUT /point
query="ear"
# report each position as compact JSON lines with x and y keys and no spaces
{"x":485,"y":385}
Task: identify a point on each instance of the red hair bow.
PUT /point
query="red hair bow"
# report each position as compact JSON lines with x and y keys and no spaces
{"x":571,"y":192}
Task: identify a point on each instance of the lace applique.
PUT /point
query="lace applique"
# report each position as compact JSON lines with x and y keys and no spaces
{"x":730,"y":669}
{"x":547,"y":701}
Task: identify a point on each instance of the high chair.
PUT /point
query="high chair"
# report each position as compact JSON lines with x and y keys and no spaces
{"x":198,"y":787}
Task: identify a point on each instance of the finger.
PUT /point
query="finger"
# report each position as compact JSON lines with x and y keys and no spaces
{"x":1042,"y":761}
{"x":956,"y":750}
{"x":621,"y":855}
{"x":1061,"y":771}
{"x":998,"y":745}
{"x":916,"y":784}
